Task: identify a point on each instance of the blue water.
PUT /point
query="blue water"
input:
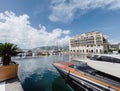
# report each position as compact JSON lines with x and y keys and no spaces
{"x":38,"y":74}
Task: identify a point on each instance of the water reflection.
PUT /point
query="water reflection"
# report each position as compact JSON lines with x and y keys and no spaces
{"x":57,"y":83}
{"x":80,"y":56}
{"x":38,"y":74}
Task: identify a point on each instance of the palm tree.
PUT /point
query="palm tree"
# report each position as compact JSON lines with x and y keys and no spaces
{"x":7,"y":50}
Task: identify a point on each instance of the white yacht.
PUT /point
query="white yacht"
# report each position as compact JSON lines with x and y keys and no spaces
{"x":107,"y":63}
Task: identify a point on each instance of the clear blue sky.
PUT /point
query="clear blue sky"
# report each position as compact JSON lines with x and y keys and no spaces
{"x":75,"y":16}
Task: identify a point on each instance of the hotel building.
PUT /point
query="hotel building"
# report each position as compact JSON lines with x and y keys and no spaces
{"x":90,"y":42}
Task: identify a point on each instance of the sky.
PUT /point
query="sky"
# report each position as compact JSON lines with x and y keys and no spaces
{"x":35,"y":23}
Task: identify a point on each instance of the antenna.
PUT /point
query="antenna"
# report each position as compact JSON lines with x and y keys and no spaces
{"x":57,"y":44}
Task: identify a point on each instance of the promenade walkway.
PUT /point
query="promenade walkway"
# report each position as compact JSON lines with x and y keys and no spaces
{"x":11,"y":85}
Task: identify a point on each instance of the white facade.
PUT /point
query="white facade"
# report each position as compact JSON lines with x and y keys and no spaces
{"x":90,"y":42}
{"x":119,"y":46}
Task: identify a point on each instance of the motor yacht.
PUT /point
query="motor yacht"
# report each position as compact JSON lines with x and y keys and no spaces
{"x":109,"y":64}
{"x":93,"y":74}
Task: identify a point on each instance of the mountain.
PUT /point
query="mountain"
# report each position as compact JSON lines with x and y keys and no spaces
{"x":50,"y":48}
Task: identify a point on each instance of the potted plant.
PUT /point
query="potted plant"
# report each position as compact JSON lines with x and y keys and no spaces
{"x":8,"y":68}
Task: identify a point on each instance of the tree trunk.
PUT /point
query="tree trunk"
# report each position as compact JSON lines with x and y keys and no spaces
{"x":6,"y":60}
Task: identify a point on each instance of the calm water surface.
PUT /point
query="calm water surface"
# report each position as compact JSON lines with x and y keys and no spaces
{"x":38,"y":74}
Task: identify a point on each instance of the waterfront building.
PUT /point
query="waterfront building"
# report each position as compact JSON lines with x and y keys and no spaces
{"x":90,"y":42}
{"x":114,"y":46}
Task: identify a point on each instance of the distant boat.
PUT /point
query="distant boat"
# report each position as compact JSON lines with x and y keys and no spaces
{"x":42,"y":53}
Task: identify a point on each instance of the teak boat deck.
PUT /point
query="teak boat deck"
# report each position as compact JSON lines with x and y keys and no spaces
{"x":84,"y":76}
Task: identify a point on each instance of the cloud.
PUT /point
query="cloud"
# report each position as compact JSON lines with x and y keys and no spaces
{"x":65,"y":10}
{"x":18,"y":30}
{"x":66,"y":32}
{"x":112,"y":41}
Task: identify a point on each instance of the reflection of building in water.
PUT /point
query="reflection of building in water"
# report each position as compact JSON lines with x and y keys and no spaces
{"x":90,"y":42}
{"x":78,"y":56}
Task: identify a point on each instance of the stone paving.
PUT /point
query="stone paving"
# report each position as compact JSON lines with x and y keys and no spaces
{"x":11,"y":85}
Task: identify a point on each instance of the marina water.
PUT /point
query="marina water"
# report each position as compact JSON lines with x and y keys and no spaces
{"x":38,"y":74}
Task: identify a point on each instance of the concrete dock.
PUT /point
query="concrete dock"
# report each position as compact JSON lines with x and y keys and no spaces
{"x":11,"y":85}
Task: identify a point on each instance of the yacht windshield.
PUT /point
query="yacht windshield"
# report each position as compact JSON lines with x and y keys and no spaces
{"x":105,"y":58}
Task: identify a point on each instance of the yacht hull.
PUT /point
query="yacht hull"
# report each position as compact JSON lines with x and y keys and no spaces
{"x":106,"y":67}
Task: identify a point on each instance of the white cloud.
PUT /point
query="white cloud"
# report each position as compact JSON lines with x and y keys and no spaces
{"x":66,"y":32}
{"x":112,"y":41}
{"x":17,"y":29}
{"x":65,"y":10}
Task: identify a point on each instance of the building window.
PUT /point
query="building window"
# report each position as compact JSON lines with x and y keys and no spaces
{"x":86,"y":50}
{"x":83,"y":51}
{"x":96,"y":50}
{"x":80,"y":50}
{"x":98,"y":45}
{"x":91,"y":51}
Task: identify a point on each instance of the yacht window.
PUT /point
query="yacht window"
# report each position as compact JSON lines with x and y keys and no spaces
{"x":116,"y":60}
{"x":108,"y":59}
{"x":104,"y":58}
{"x":94,"y":57}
